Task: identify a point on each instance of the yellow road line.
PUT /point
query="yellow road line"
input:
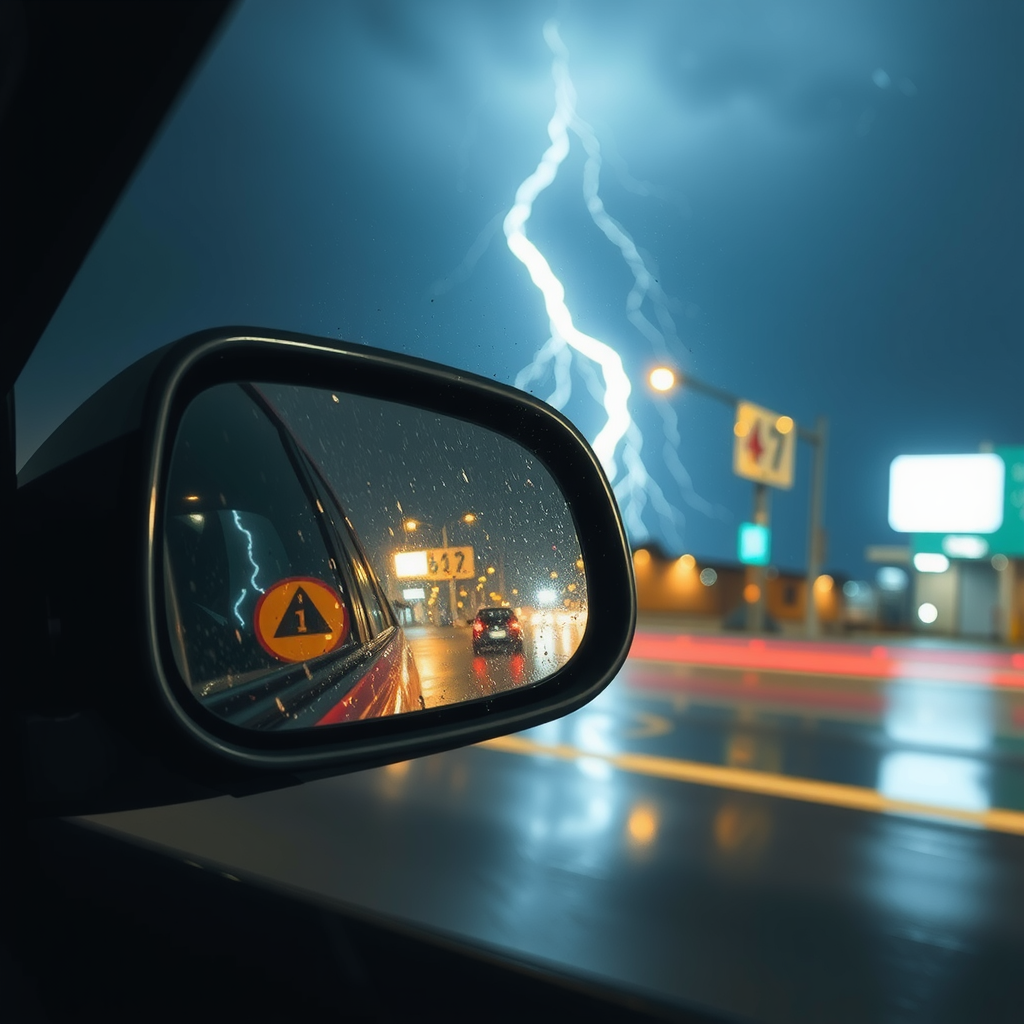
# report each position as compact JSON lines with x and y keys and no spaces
{"x":834,"y":794}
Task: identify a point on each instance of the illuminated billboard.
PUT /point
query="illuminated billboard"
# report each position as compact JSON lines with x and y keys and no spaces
{"x":411,"y":565}
{"x":946,"y":493}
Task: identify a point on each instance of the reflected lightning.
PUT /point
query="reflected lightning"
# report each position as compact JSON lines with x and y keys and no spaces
{"x":252,"y":562}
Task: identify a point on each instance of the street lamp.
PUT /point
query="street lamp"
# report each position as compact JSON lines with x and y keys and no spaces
{"x":666,"y":378}
{"x":663,"y":379}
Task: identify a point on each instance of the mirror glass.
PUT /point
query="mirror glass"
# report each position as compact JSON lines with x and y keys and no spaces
{"x":330,"y":557}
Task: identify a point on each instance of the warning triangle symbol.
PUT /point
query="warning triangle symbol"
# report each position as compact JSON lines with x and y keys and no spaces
{"x":302,"y":617}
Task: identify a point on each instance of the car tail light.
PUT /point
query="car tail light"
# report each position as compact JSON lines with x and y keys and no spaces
{"x":478,"y":627}
{"x":514,"y":626}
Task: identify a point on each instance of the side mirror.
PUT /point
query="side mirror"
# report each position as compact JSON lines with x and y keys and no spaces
{"x":307,"y":557}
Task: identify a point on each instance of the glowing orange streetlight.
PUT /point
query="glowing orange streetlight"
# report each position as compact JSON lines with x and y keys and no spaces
{"x":662,"y":378}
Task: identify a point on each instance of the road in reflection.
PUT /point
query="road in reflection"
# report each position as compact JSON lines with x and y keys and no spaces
{"x":450,"y":672}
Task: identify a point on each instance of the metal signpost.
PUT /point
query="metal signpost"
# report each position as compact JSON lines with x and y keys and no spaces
{"x":764,"y":451}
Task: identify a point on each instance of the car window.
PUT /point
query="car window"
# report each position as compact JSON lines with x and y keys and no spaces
{"x":816,"y":213}
{"x":240,"y":523}
{"x":373,"y":602}
{"x":757,"y":253}
{"x":494,"y":614}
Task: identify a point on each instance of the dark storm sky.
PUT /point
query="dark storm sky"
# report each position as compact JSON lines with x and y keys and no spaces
{"x":834,"y":205}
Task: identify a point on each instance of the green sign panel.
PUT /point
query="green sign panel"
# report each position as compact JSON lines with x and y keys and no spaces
{"x":755,"y":544}
{"x":1007,"y":540}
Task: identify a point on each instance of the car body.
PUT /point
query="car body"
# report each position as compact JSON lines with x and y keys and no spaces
{"x":497,"y":629}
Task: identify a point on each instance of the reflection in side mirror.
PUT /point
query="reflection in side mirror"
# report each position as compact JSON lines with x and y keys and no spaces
{"x":331,"y":557}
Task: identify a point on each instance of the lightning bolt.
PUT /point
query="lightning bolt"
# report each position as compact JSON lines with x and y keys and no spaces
{"x":619,"y":443}
{"x":563,"y":330}
{"x":634,"y":487}
{"x":252,"y":562}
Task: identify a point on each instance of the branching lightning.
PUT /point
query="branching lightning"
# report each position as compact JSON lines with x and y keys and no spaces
{"x":619,"y":443}
{"x":563,"y":330}
{"x":252,"y":562}
{"x":634,"y":486}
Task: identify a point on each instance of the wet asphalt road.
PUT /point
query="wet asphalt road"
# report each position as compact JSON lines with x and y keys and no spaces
{"x":450,"y":672}
{"x":777,"y":832}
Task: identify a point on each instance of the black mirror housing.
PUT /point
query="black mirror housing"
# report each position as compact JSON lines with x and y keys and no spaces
{"x":106,"y":716}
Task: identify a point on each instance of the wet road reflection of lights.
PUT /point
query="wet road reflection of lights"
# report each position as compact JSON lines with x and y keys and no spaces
{"x":571,"y":830}
{"x":960,"y":783}
{"x":450,"y":672}
{"x":740,"y":831}
{"x":958,"y":720}
{"x":748,"y":750}
{"x":642,"y":825}
{"x":499,"y":672}
{"x":594,"y":767}
{"x":938,"y":716}
{"x":593,"y":733}
{"x":730,"y":841}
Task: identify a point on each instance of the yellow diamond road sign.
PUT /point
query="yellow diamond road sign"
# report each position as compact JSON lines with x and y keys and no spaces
{"x":765,"y":446}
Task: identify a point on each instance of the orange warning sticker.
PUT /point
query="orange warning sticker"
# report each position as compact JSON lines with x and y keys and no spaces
{"x":300,"y":618}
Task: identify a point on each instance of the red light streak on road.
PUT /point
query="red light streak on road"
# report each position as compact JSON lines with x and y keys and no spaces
{"x":759,"y":692}
{"x":881,"y":661}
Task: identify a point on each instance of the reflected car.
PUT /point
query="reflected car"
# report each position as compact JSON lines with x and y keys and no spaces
{"x":276,"y":617}
{"x":497,"y":629}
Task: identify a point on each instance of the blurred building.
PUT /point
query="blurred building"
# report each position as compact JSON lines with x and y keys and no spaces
{"x":974,"y":598}
{"x":714,"y":593}
{"x":967,"y":581}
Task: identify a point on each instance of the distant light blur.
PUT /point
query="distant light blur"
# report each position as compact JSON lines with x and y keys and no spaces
{"x":892,"y":578}
{"x":965,"y":547}
{"x":930,"y":562}
{"x":642,"y":825}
